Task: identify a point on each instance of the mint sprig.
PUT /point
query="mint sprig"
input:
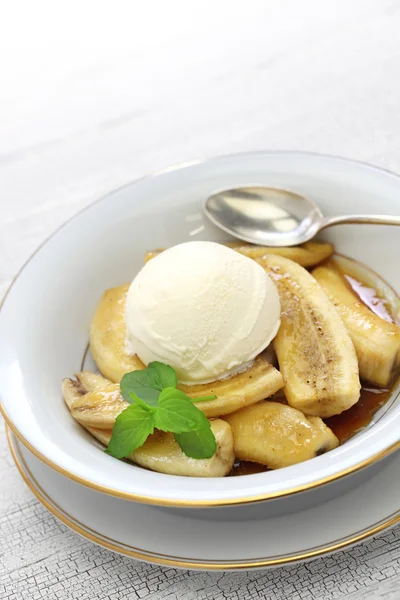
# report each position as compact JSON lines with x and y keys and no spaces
{"x":148,"y":383}
{"x":131,"y":429}
{"x":197,"y":444}
{"x":156,"y":403}
{"x":176,"y":412}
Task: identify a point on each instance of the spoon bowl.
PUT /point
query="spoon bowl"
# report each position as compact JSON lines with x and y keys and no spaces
{"x":269,"y":216}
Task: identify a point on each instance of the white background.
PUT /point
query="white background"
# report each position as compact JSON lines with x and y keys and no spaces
{"x":95,"y":94}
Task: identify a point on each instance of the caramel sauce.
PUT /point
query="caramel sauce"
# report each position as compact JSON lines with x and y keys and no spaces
{"x":372,"y":398}
{"x":370,"y":298}
{"x":349,"y":422}
{"x":245,"y":467}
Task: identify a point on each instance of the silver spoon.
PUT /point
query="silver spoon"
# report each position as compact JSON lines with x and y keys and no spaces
{"x":275,"y":217}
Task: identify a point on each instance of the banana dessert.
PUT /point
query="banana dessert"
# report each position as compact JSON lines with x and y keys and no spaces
{"x":227,"y":359}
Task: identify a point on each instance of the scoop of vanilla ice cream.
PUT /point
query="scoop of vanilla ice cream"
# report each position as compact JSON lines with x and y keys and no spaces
{"x":203,"y":309}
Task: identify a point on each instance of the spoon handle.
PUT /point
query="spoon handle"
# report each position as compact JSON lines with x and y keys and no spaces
{"x":359,"y":219}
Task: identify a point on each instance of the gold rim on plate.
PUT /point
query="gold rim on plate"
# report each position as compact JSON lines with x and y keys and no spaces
{"x":166,"y":560}
{"x":159,"y":501}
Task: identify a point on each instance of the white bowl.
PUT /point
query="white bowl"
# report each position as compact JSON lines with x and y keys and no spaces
{"x":45,"y":317}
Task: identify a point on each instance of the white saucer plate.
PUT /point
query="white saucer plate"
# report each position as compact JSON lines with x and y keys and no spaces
{"x":169,"y":537}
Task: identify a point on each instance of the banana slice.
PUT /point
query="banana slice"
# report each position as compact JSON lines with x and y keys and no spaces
{"x":160,"y":452}
{"x":91,"y":381}
{"x":85,"y":381}
{"x":315,"y":353}
{"x":108,"y":336}
{"x":107,"y":343}
{"x":307,"y":255}
{"x":261,"y":380}
{"x":278,"y":436}
{"x":377,"y":342}
{"x":152,"y":254}
{"x":99,"y":408}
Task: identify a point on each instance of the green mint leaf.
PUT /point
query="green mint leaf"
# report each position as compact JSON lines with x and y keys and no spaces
{"x":197,"y":444}
{"x":131,"y":429}
{"x":147,"y":383}
{"x":136,"y":400}
{"x":165,"y":375}
{"x":204,"y":398}
{"x":177,"y":413}
{"x":144,"y":384}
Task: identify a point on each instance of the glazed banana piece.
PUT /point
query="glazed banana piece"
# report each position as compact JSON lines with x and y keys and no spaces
{"x":160,"y":452}
{"x":108,"y":336}
{"x":86,"y":381}
{"x":315,"y":353}
{"x":261,"y":380}
{"x":152,"y":254}
{"x":376,"y":341}
{"x":107,"y":343}
{"x":100,"y":407}
{"x":307,"y":255}
{"x":277,"y":435}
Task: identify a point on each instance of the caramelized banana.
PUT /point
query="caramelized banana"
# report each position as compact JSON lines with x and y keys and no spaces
{"x":315,"y":353}
{"x":100,"y":407}
{"x":377,"y":342}
{"x":152,"y":254}
{"x":108,"y":335}
{"x":74,"y":389}
{"x":160,"y":452}
{"x":258,"y":382}
{"x":278,"y":436}
{"x":307,"y":255}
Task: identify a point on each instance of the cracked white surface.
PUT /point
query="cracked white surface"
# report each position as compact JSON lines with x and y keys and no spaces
{"x":96,"y":94}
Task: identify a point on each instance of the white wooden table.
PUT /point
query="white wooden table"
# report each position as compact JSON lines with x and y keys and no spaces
{"x":95,"y":94}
